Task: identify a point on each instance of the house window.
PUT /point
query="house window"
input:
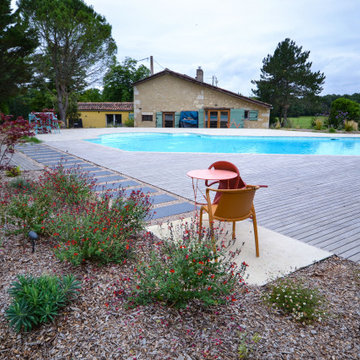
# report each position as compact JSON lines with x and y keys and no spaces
{"x":146,"y":117}
{"x":113,"y":120}
{"x":168,"y":119}
{"x":215,"y":118}
{"x":246,"y":114}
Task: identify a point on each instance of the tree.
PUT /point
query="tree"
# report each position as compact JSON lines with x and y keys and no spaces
{"x":76,"y":45}
{"x":118,"y":81}
{"x":91,"y":95}
{"x":285,"y":76}
{"x":17,"y":42}
{"x":343,"y":109}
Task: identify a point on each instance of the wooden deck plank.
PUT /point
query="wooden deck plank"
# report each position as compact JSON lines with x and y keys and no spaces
{"x":341,"y":246}
{"x":353,"y":257}
{"x":310,"y":216}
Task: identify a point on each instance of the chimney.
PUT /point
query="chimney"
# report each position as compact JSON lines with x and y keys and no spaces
{"x":151,"y":65}
{"x":199,"y":75}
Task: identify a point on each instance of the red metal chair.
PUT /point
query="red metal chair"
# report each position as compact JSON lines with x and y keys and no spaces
{"x":236,"y":183}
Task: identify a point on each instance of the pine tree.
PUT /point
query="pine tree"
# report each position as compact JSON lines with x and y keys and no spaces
{"x":286,"y":76}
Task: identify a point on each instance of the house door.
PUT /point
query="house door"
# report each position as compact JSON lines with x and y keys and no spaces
{"x":113,"y":120}
{"x":217,"y":118}
{"x":168,"y":119}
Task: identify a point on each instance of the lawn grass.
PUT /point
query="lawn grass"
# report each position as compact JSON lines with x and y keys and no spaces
{"x":303,"y":122}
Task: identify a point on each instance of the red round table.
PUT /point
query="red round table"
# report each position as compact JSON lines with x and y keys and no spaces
{"x":212,"y":174}
{"x":208,"y":174}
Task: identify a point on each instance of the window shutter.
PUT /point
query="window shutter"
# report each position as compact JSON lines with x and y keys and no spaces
{"x":159,"y":119}
{"x":201,"y":118}
{"x":177,"y":119}
{"x":253,"y":115}
{"x":237,"y":118}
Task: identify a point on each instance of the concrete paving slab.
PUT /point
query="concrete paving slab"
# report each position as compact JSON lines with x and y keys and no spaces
{"x":55,"y":161}
{"x":144,"y":189}
{"x":99,"y":172}
{"x":112,"y":178}
{"x":80,"y":165}
{"x":116,"y":186}
{"x":48,"y":156}
{"x":170,"y":210}
{"x":279,"y":254}
{"x":163,"y":198}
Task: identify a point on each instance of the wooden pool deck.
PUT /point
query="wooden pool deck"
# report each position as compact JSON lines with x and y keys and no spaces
{"x":315,"y":199}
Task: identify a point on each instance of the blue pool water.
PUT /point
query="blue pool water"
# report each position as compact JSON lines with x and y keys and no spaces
{"x":164,"y":142}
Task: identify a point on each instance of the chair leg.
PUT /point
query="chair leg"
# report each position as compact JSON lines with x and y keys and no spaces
{"x":233,"y":230}
{"x":200,"y":223}
{"x":255,"y":232}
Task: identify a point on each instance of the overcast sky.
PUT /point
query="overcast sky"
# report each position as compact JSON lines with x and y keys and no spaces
{"x":230,"y":38}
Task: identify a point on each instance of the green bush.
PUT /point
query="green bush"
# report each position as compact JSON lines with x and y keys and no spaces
{"x":13,"y":171}
{"x":99,"y":230}
{"x":343,"y":109}
{"x":185,"y":269}
{"x":129,"y":123}
{"x":293,"y":298}
{"x":38,"y":300}
{"x":317,"y":123}
{"x":247,"y":344}
{"x":31,"y":139}
{"x":350,"y":125}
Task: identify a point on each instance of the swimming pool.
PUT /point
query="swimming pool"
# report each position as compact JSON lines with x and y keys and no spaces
{"x":198,"y":143}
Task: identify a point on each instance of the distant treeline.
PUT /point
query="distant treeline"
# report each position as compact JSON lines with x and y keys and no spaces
{"x":318,"y":105}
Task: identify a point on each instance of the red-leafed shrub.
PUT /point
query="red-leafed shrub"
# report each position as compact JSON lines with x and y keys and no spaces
{"x":12,"y":132}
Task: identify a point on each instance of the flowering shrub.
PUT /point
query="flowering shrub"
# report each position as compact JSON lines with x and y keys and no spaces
{"x":61,"y":203}
{"x":66,"y":186}
{"x":12,"y":132}
{"x":99,"y":230}
{"x":293,"y":298}
{"x":343,"y":109}
{"x":38,"y":300}
{"x":185,"y":269}
{"x":29,"y":210}
{"x":31,"y":207}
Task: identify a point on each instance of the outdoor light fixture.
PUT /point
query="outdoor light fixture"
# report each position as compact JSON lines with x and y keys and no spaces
{"x":33,"y":236}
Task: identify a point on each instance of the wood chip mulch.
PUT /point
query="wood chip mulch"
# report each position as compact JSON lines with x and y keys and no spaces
{"x":98,"y":325}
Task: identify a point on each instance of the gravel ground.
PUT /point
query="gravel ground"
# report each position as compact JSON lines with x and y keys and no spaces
{"x":99,"y":326}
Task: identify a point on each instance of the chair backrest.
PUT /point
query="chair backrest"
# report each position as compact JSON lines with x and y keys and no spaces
{"x":234,"y":203}
{"x":236,"y":183}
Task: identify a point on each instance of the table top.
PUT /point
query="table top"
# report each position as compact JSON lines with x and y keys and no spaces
{"x":212,"y":174}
